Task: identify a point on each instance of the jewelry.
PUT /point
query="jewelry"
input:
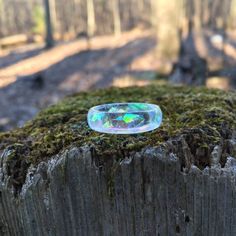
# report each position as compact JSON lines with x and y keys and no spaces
{"x":124,"y":118}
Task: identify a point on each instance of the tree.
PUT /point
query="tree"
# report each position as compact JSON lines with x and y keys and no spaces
{"x":197,"y":15}
{"x":116,"y":17}
{"x":166,"y":20}
{"x":232,"y":15}
{"x":91,"y":25}
{"x":153,"y":13}
{"x":53,"y":13}
{"x":2,"y":17}
{"x":48,"y":22}
{"x":38,"y":20}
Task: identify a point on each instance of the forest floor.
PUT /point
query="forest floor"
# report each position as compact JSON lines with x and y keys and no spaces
{"x":32,"y":78}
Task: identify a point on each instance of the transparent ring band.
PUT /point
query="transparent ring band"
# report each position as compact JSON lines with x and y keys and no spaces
{"x":124,"y":118}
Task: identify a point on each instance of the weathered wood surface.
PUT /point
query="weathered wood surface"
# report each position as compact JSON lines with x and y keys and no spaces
{"x":148,"y":194}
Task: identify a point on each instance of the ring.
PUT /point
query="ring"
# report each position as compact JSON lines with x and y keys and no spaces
{"x":124,"y":118}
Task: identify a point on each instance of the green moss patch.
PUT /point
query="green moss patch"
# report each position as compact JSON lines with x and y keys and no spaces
{"x":204,"y":117}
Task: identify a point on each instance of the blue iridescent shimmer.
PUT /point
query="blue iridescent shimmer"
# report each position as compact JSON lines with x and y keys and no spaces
{"x":124,"y":118}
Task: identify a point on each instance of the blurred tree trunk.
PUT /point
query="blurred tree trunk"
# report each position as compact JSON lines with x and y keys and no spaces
{"x":116,"y":17}
{"x":153,"y":13}
{"x":76,"y":4}
{"x":69,"y":15}
{"x":91,"y":25}
{"x":2,"y":17}
{"x":232,"y":15}
{"x":225,"y":18}
{"x":205,"y":12}
{"x":53,"y":12}
{"x":213,"y":12}
{"x":69,"y":10}
{"x":190,"y":15}
{"x":49,"y":33}
{"x":2,"y":20}
{"x":197,"y":15}
{"x":168,"y":13}
{"x":190,"y":68}
{"x":140,"y":5}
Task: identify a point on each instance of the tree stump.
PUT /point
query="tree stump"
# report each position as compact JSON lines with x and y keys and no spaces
{"x":190,"y":69}
{"x":58,"y":177}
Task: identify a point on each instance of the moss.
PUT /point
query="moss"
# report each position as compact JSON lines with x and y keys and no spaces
{"x":205,"y":118}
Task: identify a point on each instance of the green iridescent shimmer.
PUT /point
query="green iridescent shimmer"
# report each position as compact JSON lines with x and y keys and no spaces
{"x":199,"y":114}
{"x":97,"y":117}
{"x":128,"y":118}
{"x":138,"y":107}
{"x":107,"y":124}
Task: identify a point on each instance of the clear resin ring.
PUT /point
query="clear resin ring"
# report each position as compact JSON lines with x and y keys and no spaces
{"x":124,"y":118}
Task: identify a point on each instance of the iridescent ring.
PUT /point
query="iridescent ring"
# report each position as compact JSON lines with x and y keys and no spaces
{"x":124,"y":118}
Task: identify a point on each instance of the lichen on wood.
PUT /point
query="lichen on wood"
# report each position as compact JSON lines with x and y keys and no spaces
{"x":196,"y":120}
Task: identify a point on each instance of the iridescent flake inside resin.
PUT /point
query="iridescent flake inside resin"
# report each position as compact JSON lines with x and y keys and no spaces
{"x":125,"y":118}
